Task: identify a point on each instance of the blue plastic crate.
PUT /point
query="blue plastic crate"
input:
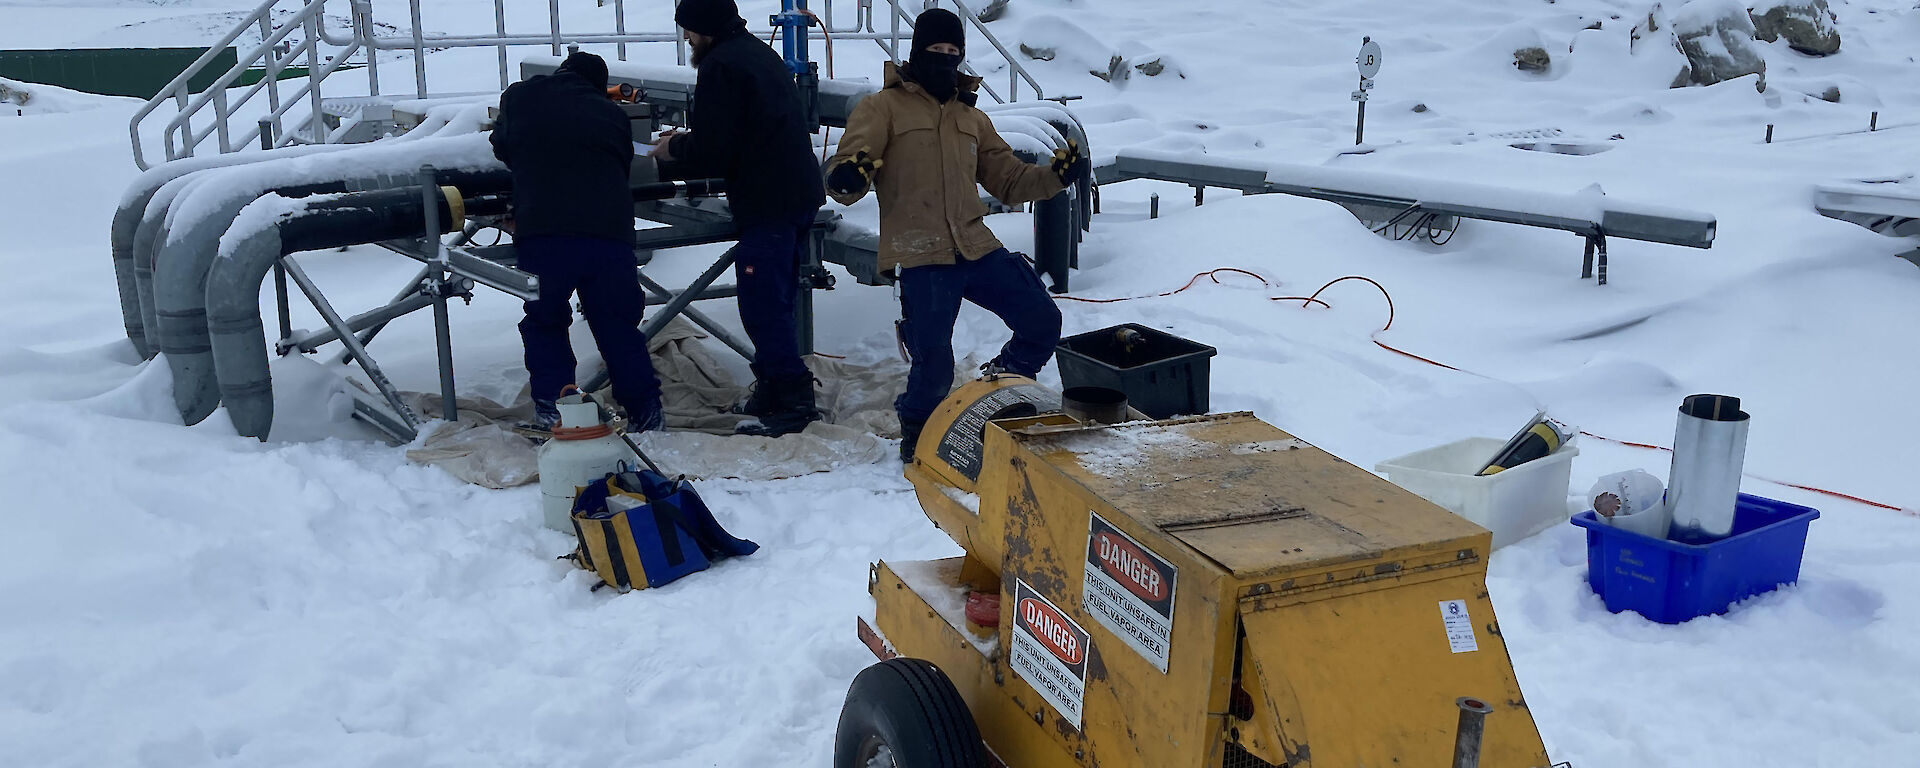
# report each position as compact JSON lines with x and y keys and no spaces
{"x":1672,"y":581}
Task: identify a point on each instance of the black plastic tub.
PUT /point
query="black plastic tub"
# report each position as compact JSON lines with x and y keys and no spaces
{"x":1161,"y":374}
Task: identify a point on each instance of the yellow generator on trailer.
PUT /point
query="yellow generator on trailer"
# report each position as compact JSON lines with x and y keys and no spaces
{"x":1202,"y":592}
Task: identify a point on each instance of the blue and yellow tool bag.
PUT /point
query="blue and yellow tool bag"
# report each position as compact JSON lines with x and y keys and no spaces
{"x":639,"y":530}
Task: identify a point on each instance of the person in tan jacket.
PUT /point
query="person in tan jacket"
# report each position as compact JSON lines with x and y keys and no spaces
{"x":925,"y":150}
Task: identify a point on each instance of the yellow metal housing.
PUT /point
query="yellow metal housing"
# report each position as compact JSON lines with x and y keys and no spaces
{"x":1319,"y":616}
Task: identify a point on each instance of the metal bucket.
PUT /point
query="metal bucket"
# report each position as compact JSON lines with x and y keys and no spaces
{"x":1094,"y":405}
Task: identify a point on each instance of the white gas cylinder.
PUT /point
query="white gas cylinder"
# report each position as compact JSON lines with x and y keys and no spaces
{"x":583,"y":450}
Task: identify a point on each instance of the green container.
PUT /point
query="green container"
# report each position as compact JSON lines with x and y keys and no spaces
{"x":137,"y":72}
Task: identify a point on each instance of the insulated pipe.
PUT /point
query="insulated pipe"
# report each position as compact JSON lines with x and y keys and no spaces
{"x":146,"y":240}
{"x":1053,"y":239}
{"x":134,"y":213}
{"x":237,"y":338}
{"x":141,"y":214}
{"x":183,"y":260}
{"x":237,"y":342}
{"x":204,"y":204}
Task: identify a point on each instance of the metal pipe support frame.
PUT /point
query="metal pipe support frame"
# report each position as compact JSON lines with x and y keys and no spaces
{"x":451,"y":270}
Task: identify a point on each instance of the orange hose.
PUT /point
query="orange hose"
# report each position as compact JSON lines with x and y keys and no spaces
{"x":581,"y":433}
{"x":1210,"y":274}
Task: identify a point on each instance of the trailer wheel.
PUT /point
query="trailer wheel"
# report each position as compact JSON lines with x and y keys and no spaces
{"x":905,"y":713}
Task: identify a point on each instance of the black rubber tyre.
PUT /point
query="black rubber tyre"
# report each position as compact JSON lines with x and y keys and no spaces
{"x":906,"y":709}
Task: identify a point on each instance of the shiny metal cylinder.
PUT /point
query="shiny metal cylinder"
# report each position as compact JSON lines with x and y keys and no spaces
{"x":1709,"y":454}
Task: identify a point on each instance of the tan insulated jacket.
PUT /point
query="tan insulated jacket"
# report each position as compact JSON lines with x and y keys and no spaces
{"x":933,"y":154}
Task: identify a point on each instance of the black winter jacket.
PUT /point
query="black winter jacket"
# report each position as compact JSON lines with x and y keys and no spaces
{"x":570,"y":150}
{"x":747,"y":129}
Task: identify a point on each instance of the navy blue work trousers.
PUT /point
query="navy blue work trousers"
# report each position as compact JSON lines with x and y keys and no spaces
{"x":999,"y":282}
{"x":603,"y":273}
{"x":766,"y":271}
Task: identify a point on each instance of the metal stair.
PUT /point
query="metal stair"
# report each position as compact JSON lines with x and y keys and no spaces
{"x":282,"y":34}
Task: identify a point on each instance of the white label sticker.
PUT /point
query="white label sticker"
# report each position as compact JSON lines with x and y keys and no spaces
{"x":1453,"y":613}
{"x":1049,"y":651}
{"x":1129,"y":590}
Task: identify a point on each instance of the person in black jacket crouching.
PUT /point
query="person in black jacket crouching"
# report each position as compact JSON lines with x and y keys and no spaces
{"x":570,"y":150}
{"x":746,"y":128}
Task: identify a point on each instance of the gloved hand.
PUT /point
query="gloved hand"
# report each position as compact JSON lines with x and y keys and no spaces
{"x":854,"y":175}
{"x":1071,"y":164}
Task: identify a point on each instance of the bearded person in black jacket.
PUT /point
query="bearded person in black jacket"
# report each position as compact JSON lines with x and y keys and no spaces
{"x":570,"y":150}
{"x":747,"y":128}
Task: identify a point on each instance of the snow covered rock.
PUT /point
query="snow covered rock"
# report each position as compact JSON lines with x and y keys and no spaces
{"x":1532,"y":59}
{"x":1518,"y":47}
{"x":994,"y":10}
{"x":1149,"y":61}
{"x":1054,"y":39}
{"x":1650,"y":28}
{"x":1717,"y":37}
{"x":1807,"y":25}
{"x":1653,"y":38}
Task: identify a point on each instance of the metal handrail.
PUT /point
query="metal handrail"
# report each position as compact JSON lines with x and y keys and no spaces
{"x":223,"y":110}
{"x":1015,"y":72}
{"x":177,"y":88}
{"x":180,"y":138}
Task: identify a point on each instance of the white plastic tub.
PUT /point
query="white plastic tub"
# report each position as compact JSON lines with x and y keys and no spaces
{"x":1514,"y":504}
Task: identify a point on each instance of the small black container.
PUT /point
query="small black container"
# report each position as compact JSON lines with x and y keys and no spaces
{"x":1161,"y":374}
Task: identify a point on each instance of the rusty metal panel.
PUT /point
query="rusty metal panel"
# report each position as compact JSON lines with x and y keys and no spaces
{"x":1152,"y":545}
{"x":1368,"y":674}
{"x":1134,"y":714}
{"x":1253,"y":498}
{"x":915,"y":628}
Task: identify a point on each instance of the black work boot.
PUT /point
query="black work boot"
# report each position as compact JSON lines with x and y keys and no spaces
{"x":909,"y":439}
{"x":792,"y":408}
{"x":546,"y":415}
{"x":761,"y":400}
{"x":1000,"y":367}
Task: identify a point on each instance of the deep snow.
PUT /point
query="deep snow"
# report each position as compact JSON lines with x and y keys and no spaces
{"x":178,"y":596}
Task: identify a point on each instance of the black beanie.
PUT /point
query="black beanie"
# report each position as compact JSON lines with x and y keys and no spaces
{"x":589,"y":66}
{"x":712,"y":18}
{"x":938,"y":25}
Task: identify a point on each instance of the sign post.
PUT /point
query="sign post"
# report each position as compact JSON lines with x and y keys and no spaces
{"x":1369,"y":61}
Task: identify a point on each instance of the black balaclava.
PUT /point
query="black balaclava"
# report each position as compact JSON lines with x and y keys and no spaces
{"x":588,"y":66}
{"x":938,"y":73}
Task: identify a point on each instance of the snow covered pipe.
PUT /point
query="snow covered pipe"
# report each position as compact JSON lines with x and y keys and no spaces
{"x":179,"y":290}
{"x":134,"y":212}
{"x":1068,"y":124}
{"x":143,"y":208}
{"x":281,"y":227}
{"x":237,"y":343}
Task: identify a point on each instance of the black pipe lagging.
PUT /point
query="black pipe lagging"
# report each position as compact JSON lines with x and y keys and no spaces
{"x":388,"y":214}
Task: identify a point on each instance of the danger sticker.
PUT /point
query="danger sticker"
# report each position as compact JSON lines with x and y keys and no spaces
{"x":1453,"y":614}
{"x":1049,"y":651}
{"x":1129,"y":590}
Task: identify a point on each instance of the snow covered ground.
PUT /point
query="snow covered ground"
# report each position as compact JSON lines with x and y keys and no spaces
{"x":178,"y":596}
